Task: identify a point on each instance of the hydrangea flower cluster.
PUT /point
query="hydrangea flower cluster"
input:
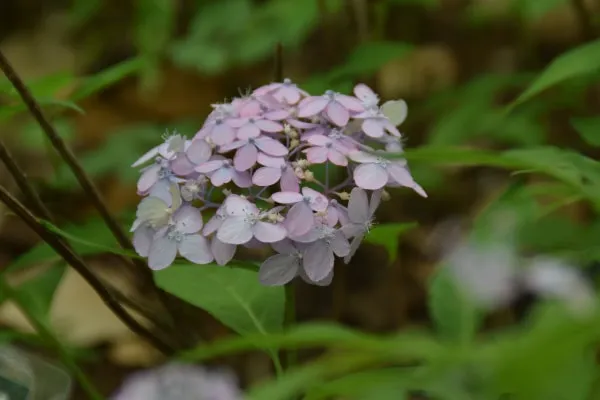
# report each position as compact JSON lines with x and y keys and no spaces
{"x":261,"y":151}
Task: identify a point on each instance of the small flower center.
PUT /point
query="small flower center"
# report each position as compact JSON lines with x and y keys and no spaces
{"x":287,"y":82}
{"x":175,"y":235}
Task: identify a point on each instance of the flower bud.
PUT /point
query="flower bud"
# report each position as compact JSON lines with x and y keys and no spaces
{"x":385,"y":196}
{"x":309,"y":176}
{"x":294,"y":143}
{"x":299,"y":173}
{"x":343,"y":195}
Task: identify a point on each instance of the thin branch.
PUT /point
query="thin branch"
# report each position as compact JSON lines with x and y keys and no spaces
{"x":21,"y":180}
{"x":278,"y":63}
{"x":585,"y":20}
{"x":77,"y":263}
{"x":68,"y":156}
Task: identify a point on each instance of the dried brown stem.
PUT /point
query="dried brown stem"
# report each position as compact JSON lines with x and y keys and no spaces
{"x":77,"y":263}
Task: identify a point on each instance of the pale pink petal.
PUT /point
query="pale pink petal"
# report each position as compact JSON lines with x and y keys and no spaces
{"x":221,"y":176}
{"x":364,"y":92}
{"x":248,"y":131}
{"x":358,"y":206}
{"x":162,"y":253}
{"x":287,"y":197}
{"x":181,"y":165}
{"x":232,"y":146}
{"x":312,"y":106}
{"x":301,"y":124}
{"x":332,"y":216}
{"x":400,"y":174}
{"x":373,"y":127}
{"x":269,"y":161}
{"x":199,"y":151}
{"x":318,"y":202}
{"x":162,"y":190}
{"x":267,"y":232}
{"x":266,"y":176}
{"x":299,"y":220}
{"x":278,"y":270}
{"x":391,"y":128}
{"x":316,"y":155}
{"x":312,"y":235}
{"x":235,"y":205}
{"x":188,"y":219}
{"x":337,"y":158}
{"x":210,"y":166}
{"x":245,"y":157}
{"x":337,"y":113}
{"x":242,"y":179}
{"x":235,"y":230}
{"x":362,"y":157}
{"x":142,"y":240}
{"x":212,"y":225}
{"x":222,"y":134}
{"x":271,"y":146}
{"x":277,"y":115}
{"x":353,"y":247}
{"x":237,"y":122}
{"x":318,"y":260}
{"x":318,"y":140}
{"x":289,"y":181}
{"x":150,"y":155}
{"x":250,"y":109}
{"x":370,"y":176}
{"x":351,"y":229}
{"x":223,"y":252}
{"x":375,"y":201}
{"x":339,"y":244}
{"x":285,"y":246}
{"x":195,"y":248}
{"x":266,"y":125}
{"x":349,"y":102}
{"x":148,"y":178}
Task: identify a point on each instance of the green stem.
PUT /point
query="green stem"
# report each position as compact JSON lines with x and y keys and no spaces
{"x":47,"y":335}
{"x":291,"y":356}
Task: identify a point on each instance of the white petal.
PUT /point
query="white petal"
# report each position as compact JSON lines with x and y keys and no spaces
{"x":162,"y":253}
{"x":235,"y":230}
{"x":195,"y":248}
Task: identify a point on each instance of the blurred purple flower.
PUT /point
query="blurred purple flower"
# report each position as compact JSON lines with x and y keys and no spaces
{"x":287,"y":91}
{"x":221,"y":171}
{"x":252,"y":127}
{"x":179,"y":382}
{"x":248,"y":150}
{"x":361,"y":214}
{"x":273,"y":170}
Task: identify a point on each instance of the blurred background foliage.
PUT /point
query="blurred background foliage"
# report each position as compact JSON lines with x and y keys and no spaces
{"x":115,"y":75}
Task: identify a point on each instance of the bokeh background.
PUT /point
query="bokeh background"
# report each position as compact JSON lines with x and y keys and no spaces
{"x":135,"y":68}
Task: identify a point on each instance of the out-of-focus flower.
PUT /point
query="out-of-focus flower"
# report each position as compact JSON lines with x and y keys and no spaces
{"x":261,"y":149}
{"x":179,"y":382}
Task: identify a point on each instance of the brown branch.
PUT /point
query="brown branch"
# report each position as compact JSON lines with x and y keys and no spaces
{"x":67,"y":155}
{"x":77,"y":263}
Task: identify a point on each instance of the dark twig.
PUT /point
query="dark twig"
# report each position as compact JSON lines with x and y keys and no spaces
{"x":77,"y":263}
{"x":585,"y":20}
{"x":278,"y":63}
{"x":68,"y":156}
{"x":83,"y":179}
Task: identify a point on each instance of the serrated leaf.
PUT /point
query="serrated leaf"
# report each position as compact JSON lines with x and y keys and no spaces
{"x":455,"y":317}
{"x":584,"y":59}
{"x":387,"y":235}
{"x":232,"y":295}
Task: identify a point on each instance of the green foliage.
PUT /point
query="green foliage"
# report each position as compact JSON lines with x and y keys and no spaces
{"x":582,"y":60}
{"x":232,"y":295}
{"x":364,"y":60}
{"x":588,"y":129}
{"x":455,"y":317}
{"x":387,"y":235}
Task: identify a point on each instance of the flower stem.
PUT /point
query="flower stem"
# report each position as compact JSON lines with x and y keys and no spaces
{"x":48,"y":337}
{"x":291,"y":356}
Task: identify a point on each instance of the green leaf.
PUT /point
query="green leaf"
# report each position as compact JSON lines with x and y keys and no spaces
{"x":387,"y":235}
{"x":588,"y":129}
{"x":455,"y":317}
{"x":581,"y":60}
{"x":107,"y":77}
{"x":32,"y":137}
{"x":232,"y":295}
{"x":94,"y":228}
